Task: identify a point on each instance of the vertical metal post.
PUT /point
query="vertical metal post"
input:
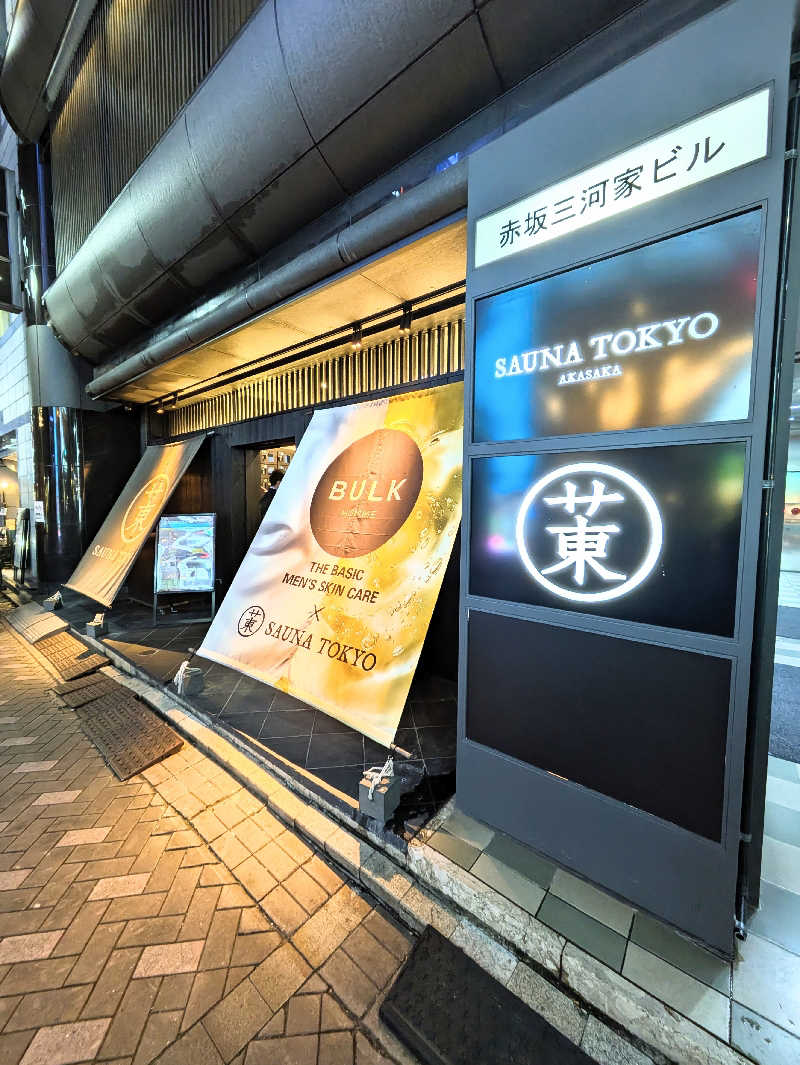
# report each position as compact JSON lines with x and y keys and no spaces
{"x":775,"y":457}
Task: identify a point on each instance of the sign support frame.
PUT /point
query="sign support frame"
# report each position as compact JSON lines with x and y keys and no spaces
{"x":680,"y":877}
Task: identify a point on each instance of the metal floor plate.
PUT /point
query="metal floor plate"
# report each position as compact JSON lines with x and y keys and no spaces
{"x":98,"y":687}
{"x":70,"y":657}
{"x":450,"y":1011}
{"x":75,"y":685}
{"x":130,"y":737}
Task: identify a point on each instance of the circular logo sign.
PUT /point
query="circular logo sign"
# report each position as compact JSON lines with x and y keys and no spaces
{"x":144,"y":508}
{"x":251,"y":621}
{"x":366,"y":493}
{"x":589,"y":532}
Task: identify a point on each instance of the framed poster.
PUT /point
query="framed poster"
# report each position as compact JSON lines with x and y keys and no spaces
{"x":184,"y":559}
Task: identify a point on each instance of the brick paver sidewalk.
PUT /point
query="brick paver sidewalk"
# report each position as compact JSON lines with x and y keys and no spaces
{"x":125,"y":936}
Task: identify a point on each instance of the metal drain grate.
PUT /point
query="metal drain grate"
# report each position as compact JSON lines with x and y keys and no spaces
{"x":75,"y":685}
{"x":128,"y":735}
{"x":70,"y":657}
{"x":452,"y":1012}
{"x":87,"y":693}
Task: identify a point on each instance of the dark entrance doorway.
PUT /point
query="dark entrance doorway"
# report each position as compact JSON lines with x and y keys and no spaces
{"x":260,"y":462}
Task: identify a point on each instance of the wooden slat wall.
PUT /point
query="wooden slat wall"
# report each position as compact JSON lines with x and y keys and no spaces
{"x":421,"y":356}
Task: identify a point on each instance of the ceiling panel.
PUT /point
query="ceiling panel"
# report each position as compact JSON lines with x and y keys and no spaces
{"x":428,"y":264}
{"x":411,"y":272}
{"x":261,"y":337}
{"x":349,"y":300}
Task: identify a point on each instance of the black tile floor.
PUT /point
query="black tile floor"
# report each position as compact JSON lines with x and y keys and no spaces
{"x":328,"y":751}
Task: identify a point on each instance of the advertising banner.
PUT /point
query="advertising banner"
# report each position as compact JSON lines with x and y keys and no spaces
{"x":334,"y":597}
{"x":185,"y":553}
{"x":105,"y":565}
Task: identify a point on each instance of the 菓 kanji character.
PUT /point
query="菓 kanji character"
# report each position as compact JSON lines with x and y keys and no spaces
{"x":509,"y":232}
{"x":659,"y":166}
{"x":581,"y":545}
{"x":624,"y":184}
{"x":251,"y":620}
{"x":141,"y":518}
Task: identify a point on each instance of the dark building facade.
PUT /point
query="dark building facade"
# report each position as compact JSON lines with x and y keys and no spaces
{"x":248,"y":211}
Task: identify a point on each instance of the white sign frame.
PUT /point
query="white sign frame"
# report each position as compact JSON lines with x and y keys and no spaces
{"x":677,"y":159}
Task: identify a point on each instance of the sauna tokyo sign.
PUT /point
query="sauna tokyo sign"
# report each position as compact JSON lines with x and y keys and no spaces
{"x":628,"y":340}
{"x":721,"y":140}
{"x":334,"y":597}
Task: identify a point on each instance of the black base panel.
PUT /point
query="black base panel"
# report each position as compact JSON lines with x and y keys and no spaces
{"x":130,"y":737}
{"x":449,"y":1011}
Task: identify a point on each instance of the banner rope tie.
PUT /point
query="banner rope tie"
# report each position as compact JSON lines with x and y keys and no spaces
{"x":376,"y":774}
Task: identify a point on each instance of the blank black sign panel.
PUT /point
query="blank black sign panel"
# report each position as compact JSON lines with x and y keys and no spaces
{"x":642,"y":724}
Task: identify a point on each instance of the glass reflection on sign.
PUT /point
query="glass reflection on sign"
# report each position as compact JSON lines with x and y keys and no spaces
{"x":658,"y":336}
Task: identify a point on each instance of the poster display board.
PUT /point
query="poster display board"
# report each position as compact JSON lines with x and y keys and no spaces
{"x":101,"y":572}
{"x":333,"y":600}
{"x":184,"y":560}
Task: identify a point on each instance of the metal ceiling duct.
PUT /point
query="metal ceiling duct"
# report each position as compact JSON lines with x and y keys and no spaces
{"x":42,"y":37}
{"x":311,"y":101}
{"x":429,"y":202}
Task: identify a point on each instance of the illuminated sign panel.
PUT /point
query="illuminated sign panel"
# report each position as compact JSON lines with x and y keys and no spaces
{"x":721,"y":140}
{"x":658,"y":336}
{"x":583,"y":544}
{"x":630,"y":533}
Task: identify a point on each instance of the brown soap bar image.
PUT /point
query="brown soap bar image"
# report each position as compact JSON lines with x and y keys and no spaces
{"x":366,"y":494}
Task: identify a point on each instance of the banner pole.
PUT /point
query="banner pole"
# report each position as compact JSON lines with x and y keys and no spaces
{"x":400,"y":751}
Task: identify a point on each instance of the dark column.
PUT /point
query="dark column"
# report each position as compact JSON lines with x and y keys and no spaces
{"x":81,"y":461}
{"x":58,"y":480}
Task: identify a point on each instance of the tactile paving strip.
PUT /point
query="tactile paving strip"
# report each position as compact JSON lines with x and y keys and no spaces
{"x":24,"y":615}
{"x":70,"y":657}
{"x":128,"y":735}
{"x":452,"y":1012}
